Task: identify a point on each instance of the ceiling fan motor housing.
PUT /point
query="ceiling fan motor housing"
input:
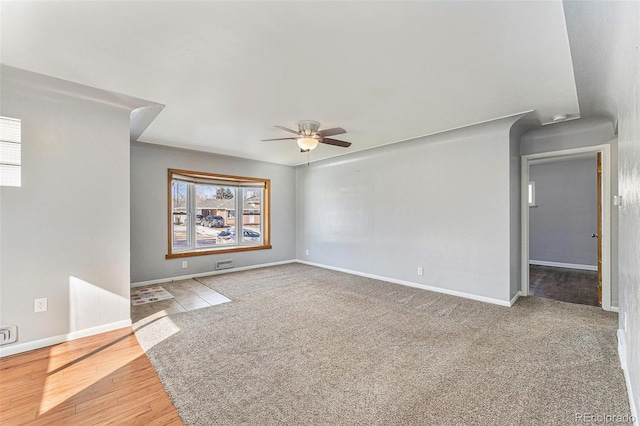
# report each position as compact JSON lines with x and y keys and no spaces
{"x":308,"y":127}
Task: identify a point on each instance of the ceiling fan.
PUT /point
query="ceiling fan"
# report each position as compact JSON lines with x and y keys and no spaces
{"x":308,"y":135}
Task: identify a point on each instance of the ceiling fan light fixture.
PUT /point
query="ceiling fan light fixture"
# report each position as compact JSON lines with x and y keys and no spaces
{"x":307,"y":143}
{"x":309,"y":136}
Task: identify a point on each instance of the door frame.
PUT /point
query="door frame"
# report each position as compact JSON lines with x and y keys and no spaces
{"x":605,"y":196}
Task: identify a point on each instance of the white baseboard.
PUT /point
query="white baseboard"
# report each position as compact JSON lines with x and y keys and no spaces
{"x":204,"y":274}
{"x":614,"y":309}
{"x":622,"y":353}
{"x":621,"y":349}
{"x":515,"y":298}
{"x":54,"y":340}
{"x":415,"y":285}
{"x":564,"y":265}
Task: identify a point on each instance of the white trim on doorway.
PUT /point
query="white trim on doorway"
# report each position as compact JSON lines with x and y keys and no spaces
{"x":605,"y":150}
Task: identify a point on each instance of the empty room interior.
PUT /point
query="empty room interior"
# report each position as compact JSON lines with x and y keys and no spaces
{"x":283,"y":212}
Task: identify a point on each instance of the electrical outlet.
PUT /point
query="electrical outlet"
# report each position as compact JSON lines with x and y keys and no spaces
{"x":306,"y":252}
{"x":40,"y":305}
{"x":184,"y":264}
{"x":420,"y":270}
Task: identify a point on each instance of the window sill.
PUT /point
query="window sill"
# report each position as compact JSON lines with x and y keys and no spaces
{"x":220,"y":250}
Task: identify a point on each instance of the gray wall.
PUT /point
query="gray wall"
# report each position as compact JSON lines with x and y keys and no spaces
{"x":439,"y":202}
{"x":566,"y":212}
{"x":519,"y":128}
{"x":65,"y":231}
{"x":149,"y":164}
{"x":629,"y":140}
{"x":626,"y":59}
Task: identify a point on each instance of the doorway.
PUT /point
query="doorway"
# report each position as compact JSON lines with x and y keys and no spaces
{"x":564,"y":228}
{"x":576,"y":268}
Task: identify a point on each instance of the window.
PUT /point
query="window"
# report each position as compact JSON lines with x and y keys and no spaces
{"x":10,"y":152}
{"x":532,"y":194}
{"x":211,"y":214}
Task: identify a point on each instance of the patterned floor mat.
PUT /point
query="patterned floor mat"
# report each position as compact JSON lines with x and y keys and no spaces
{"x":149,"y":295}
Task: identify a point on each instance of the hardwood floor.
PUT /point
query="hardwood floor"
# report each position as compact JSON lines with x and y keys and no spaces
{"x":566,"y":285}
{"x":101,"y":379}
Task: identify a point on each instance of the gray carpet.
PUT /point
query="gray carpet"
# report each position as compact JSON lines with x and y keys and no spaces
{"x":304,"y":345}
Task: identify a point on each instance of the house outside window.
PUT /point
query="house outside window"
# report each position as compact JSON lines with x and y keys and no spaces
{"x":202,"y":213}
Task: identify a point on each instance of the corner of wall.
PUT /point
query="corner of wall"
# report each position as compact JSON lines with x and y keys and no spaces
{"x":622,"y":353}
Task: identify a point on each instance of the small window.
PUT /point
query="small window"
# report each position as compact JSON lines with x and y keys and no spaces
{"x":532,"y":194}
{"x":203,"y":217}
{"x":10,"y":152}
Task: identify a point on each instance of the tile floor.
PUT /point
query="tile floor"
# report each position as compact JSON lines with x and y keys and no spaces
{"x":188,"y":296}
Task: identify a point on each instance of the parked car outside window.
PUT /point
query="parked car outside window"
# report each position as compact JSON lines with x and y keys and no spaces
{"x":248,"y":234}
{"x":213,"y":221}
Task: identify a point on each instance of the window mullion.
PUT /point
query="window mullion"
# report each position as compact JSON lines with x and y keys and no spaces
{"x":239,"y":217}
{"x":191,"y":209}
{"x":262,"y":213}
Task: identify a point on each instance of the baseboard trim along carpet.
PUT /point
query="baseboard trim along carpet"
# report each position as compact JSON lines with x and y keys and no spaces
{"x":54,"y":340}
{"x":206,"y":274}
{"x":417,"y":285}
{"x":564,"y":265}
{"x":622,"y":352}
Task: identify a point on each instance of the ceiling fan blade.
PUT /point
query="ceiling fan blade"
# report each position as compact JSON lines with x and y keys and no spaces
{"x":331,"y":132}
{"x":279,"y":139}
{"x":287,"y":130}
{"x":336,"y":142}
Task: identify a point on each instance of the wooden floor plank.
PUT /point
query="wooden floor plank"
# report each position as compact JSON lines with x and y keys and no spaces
{"x":158,"y":416}
{"x":105,"y":379}
{"x":18,"y":414}
{"x":564,"y":284}
{"x":59,"y":417}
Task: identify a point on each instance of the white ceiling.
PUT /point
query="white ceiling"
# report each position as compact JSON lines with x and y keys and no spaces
{"x":228,"y":71}
{"x":600,"y":41}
